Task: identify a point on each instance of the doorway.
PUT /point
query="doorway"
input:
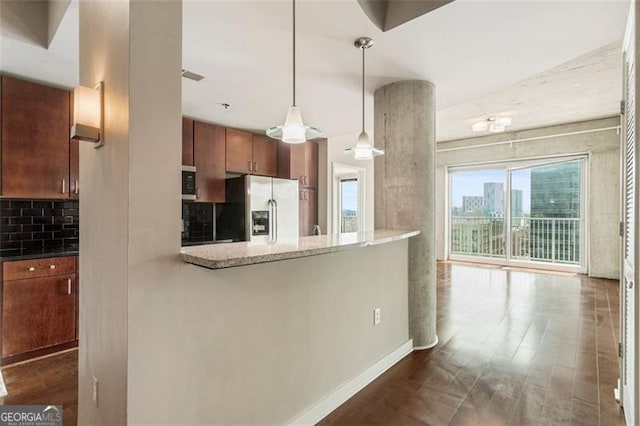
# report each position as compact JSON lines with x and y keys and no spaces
{"x":348,"y":212}
{"x":528,"y":213}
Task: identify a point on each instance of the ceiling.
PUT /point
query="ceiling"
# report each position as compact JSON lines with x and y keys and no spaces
{"x":473,"y":50}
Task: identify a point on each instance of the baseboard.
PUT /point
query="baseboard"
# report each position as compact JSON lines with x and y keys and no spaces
{"x":326,"y":405}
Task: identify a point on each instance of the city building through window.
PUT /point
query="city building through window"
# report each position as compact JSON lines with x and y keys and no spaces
{"x":521,"y":213}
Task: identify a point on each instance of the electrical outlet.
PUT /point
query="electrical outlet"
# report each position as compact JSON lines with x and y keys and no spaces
{"x":376,"y":316}
{"x":95,"y":390}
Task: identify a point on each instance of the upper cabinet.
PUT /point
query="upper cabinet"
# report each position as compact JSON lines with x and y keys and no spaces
{"x":239,"y":151}
{"x":251,"y":154}
{"x":299,"y":161}
{"x":187,"y":142}
{"x":265,"y":156}
{"x":209,"y":159}
{"x":38,"y":160}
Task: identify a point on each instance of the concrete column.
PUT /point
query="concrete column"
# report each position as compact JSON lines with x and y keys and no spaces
{"x":405,"y":185}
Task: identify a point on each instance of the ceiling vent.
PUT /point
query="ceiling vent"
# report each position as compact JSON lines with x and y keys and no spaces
{"x":192,"y":75}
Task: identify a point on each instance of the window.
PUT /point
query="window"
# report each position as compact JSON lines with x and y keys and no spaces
{"x":348,"y":205}
{"x":522,"y":213}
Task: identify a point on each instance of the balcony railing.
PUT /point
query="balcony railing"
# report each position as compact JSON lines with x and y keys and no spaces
{"x":555,"y":240}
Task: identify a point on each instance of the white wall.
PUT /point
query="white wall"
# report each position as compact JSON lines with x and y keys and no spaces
{"x":603,"y":192}
{"x":332,"y":151}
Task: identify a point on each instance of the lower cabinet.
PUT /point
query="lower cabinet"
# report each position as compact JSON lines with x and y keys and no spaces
{"x":308,"y":210}
{"x":39,"y":307}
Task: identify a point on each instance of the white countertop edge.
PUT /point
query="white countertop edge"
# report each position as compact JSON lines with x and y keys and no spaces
{"x":214,"y":256}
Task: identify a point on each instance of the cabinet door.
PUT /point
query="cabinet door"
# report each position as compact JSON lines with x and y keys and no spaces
{"x":37,"y":313}
{"x":265,"y":156}
{"x":35,"y":140}
{"x":208,"y":155}
{"x":302,"y":212}
{"x":312,"y":209}
{"x":187,"y":142}
{"x":239,"y":151}
{"x":74,"y":159}
{"x":74,"y":169}
{"x":311,"y":164}
{"x":308,"y":210}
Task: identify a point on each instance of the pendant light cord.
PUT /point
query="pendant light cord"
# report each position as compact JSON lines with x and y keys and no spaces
{"x":294,"y":52}
{"x":363,"y":49}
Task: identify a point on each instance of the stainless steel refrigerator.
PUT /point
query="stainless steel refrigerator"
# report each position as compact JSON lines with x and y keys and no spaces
{"x":260,"y":209}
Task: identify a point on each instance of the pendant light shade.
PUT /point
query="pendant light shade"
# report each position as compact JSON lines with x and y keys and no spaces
{"x":293,"y":130}
{"x":364,"y":149}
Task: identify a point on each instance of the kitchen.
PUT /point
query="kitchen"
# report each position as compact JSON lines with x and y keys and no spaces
{"x":214,"y":157}
{"x":302,"y":280}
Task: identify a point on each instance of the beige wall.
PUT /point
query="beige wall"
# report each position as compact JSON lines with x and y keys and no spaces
{"x":332,"y":151}
{"x":176,"y":343}
{"x":104,"y":229}
{"x":261,"y":343}
{"x":603,"y":192}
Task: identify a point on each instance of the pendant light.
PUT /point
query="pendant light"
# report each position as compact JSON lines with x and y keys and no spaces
{"x":364,"y":149}
{"x":293,"y":130}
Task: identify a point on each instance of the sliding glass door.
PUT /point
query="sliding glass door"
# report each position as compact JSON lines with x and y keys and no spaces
{"x":526,"y":214}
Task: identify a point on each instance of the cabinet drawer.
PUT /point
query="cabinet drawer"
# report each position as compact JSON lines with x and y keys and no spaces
{"x":22,"y":269}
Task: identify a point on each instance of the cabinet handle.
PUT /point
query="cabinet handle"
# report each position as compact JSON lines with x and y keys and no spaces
{"x":197,"y":192}
{"x":250,"y":166}
{"x":306,"y":195}
{"x":306,"y":180}
{"x":64,"y":186}
{"x":52,"y":266}
{"x":77,"y":187}
{"x":31,"y":268}
{"x":68,"y":285}
{"x":255,"y":166}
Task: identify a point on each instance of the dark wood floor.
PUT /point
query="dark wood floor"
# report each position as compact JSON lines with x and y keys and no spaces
{"x":516,"y":347}
{"x":46,"y":381}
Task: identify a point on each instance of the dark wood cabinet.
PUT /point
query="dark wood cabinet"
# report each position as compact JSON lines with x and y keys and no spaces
{"x":311,"y":165}
{"x":209,"y":159}
{"x":308,"y":210}
{"x":187,"y":142}
{"x":239,"y":153}
{"x":299,"y":161}
{"x":251,"y":154}
{"x":39,"y":307}
{"x":35,"y":141}
{"x":265,"y":156}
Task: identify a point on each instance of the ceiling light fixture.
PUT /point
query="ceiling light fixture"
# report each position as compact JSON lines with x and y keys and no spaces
{"x":364,"y":149}
{"x":492,"y":124}
{"x":293,"y":130}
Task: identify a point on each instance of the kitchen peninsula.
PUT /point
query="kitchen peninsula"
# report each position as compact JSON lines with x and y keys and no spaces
{"x":320,"y":316}
{"x":216,"y":256}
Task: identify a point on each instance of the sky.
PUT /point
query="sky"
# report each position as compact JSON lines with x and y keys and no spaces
{"x":350,"y":195}
{"x":472,"y":183}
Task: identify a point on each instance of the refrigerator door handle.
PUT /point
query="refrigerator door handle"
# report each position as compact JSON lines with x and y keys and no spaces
{"x":275,"y":220}
{"x":270,"y":202}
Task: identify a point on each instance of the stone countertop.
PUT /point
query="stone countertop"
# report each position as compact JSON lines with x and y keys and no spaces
{"x":217,"y":256}
{"x":41,"y":255}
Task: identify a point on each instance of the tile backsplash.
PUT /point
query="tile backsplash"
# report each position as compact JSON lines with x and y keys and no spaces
{"x":38,"y":226}
{"x":197,"y":222}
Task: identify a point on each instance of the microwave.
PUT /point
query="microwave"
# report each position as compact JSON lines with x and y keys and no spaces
{"x":189,"y":183}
